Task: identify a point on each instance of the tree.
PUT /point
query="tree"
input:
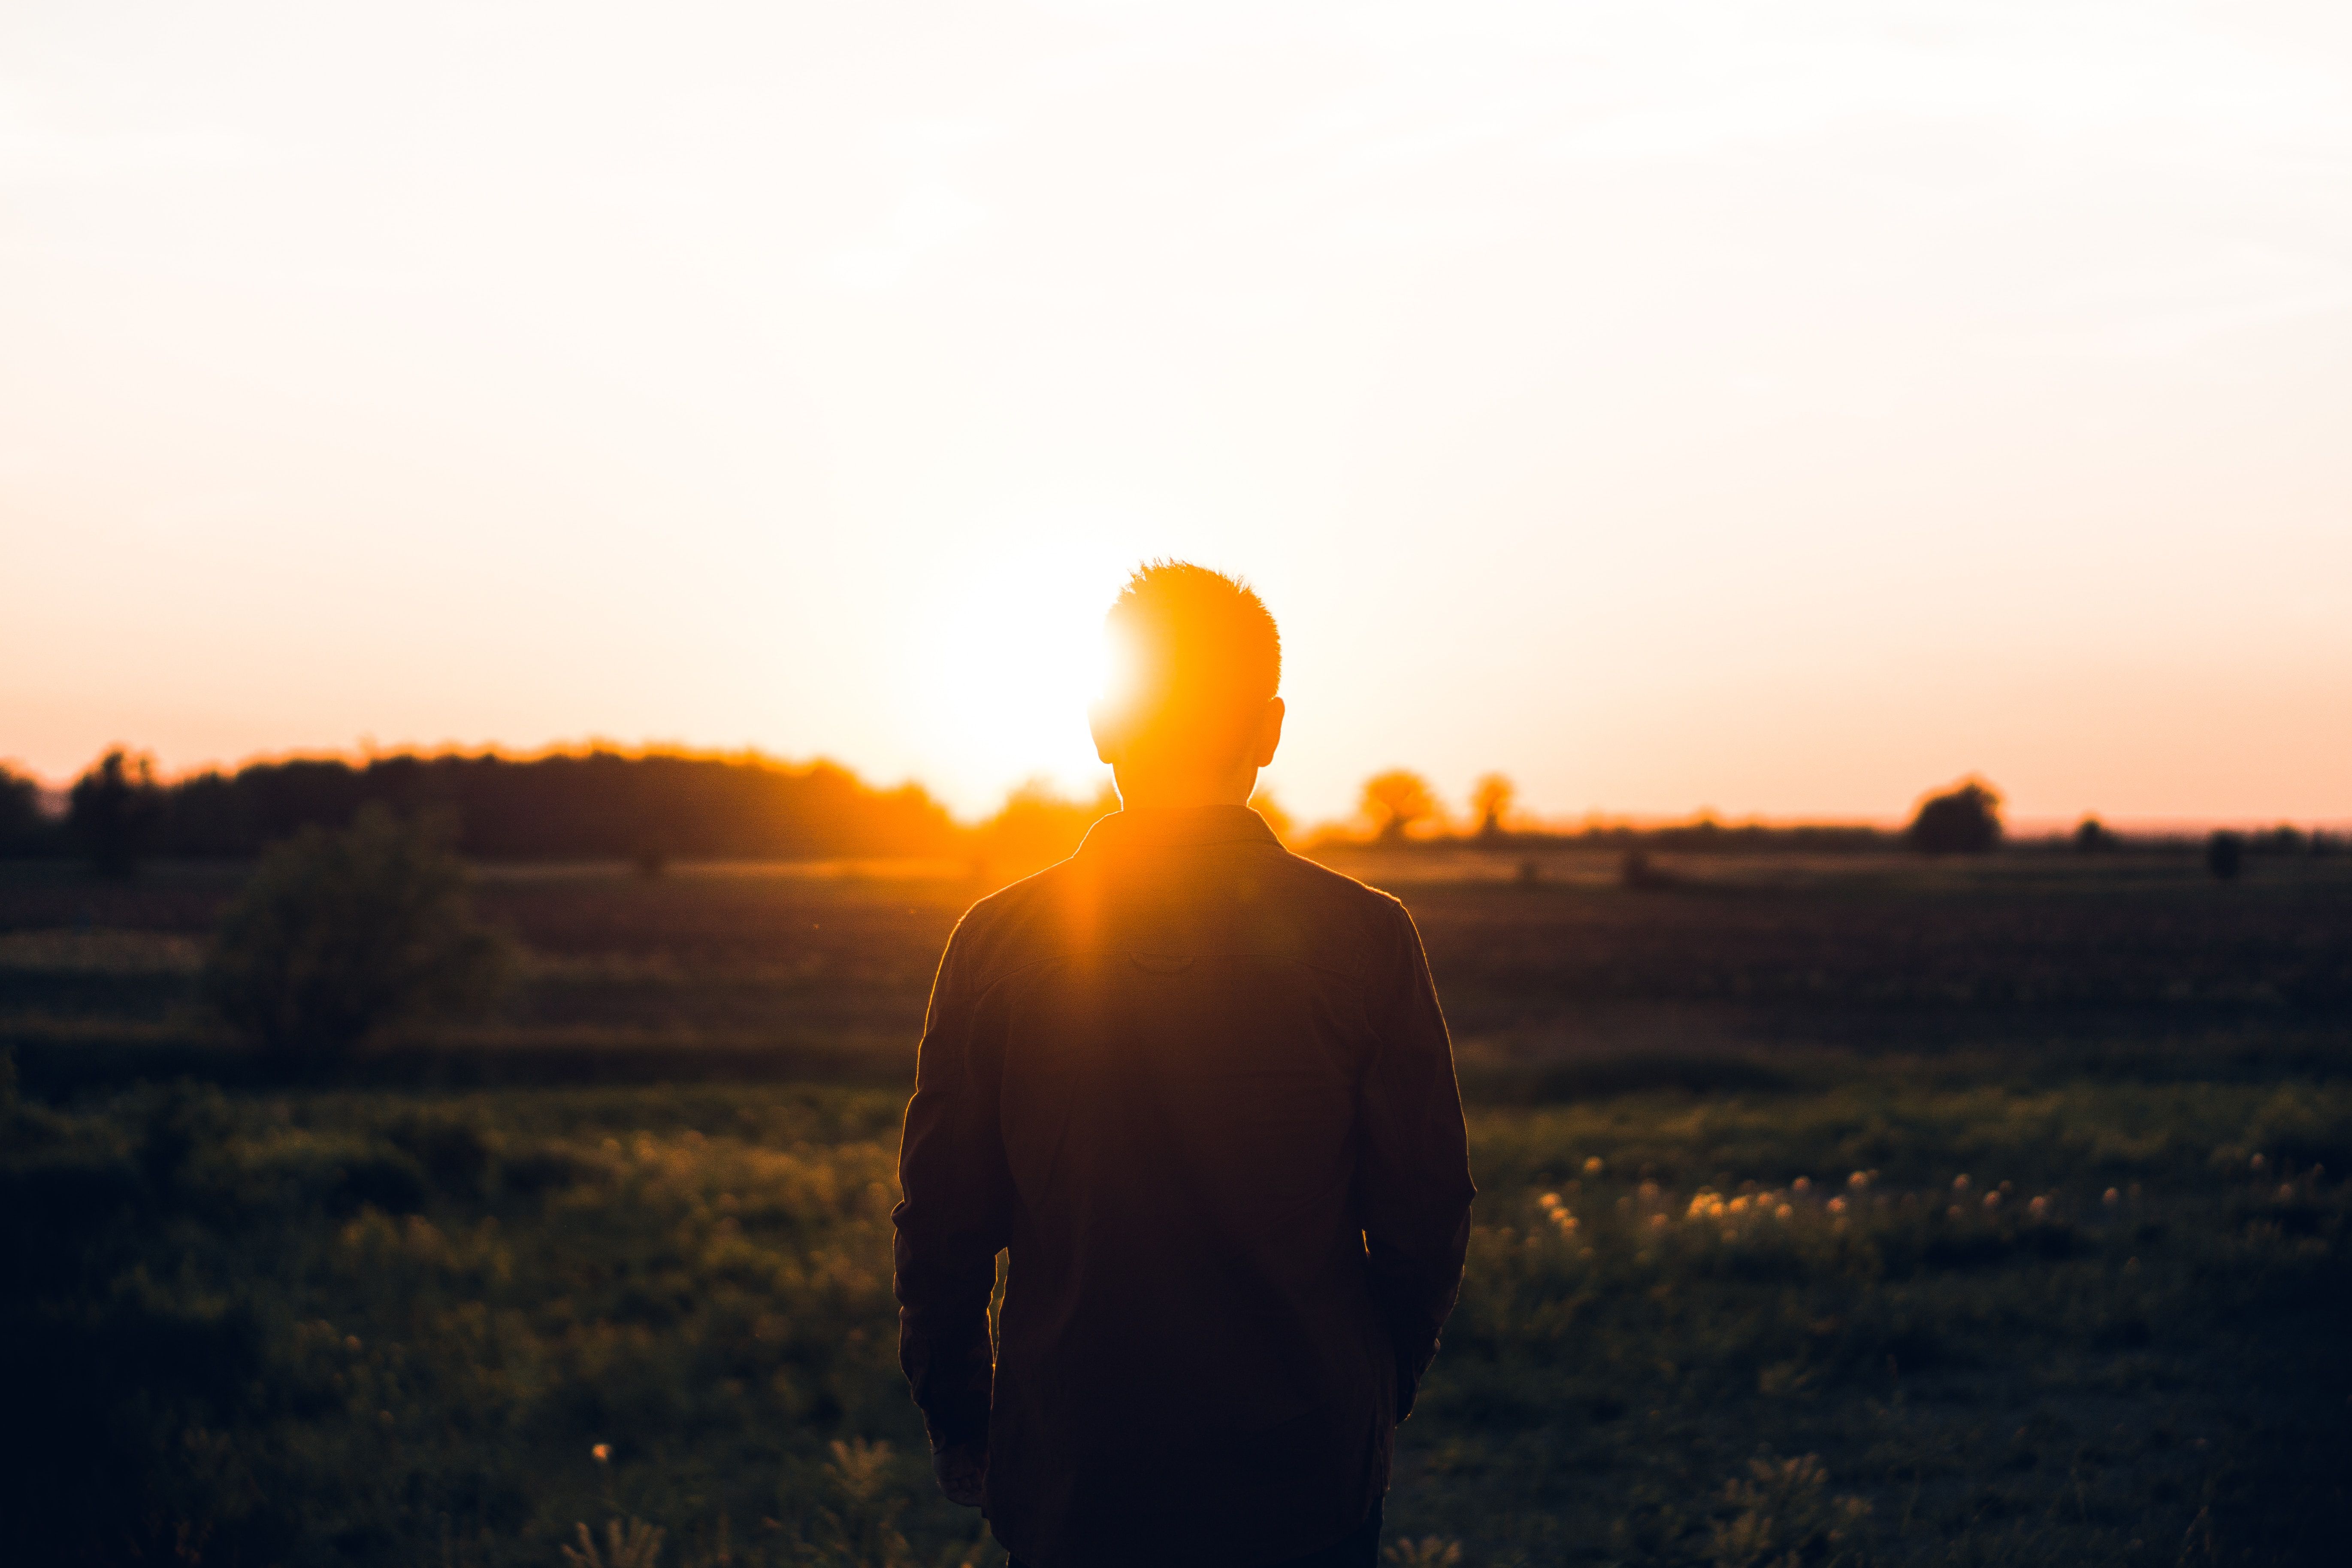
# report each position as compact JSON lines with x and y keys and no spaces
{"x":23,"y":824}
{"x":2225,"y":853}
{"x":1036,"y":827}
{"x":339,"y":934}
{"x":1270,"y":811}
{"x":1963,"y":820}
{"x":1491,"y":799}
{"x":112,"y":811}
{"x":2093,"y":837}
{"x":1397,"y":799}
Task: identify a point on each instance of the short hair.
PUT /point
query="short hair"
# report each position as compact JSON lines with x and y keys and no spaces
{"x":1203,"y":657}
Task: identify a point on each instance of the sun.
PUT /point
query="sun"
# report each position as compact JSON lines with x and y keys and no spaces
{"x":1008,"y":667}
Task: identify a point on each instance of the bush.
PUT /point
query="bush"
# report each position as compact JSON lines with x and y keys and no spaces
{"x":1035,"y":828}
{"x":1784,"y":1515}
{"x":1963,"y":820}
{"x":339,"y":934}
{"x":112,"y":811}
{"x":2224,"y":853}
{"x":1396,"y":800}
{"x":23,"y":828}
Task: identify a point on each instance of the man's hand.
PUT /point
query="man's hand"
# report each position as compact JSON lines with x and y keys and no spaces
{"x":963,"y":1470}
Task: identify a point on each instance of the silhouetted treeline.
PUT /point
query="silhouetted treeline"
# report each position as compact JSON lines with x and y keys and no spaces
{"x":24,"y":828}
{"x":1704,"y":836}
{"x":597,"y":805}
{"x":658,"y":807}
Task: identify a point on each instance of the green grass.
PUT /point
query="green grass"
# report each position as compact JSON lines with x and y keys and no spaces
{"x":375,"y":1320}
{"x":393,"y":1327}
{"x":1764,"y":948}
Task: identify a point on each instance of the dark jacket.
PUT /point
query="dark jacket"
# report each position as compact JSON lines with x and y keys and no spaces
{"x":1201,"y":1091}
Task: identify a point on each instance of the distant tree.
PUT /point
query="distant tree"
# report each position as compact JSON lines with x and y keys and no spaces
{"x":1267,"y":807}
{"x":1963,"y":820}
{"x":337,"y":934}
{"x":24,"y":826}
{"x":2093,"y":837}
{"x":1036,"y":827}
{"x":598,"y":805}
{"x":2225,"y":854}
{"x":1491,"y":798}
{"x":211,"y":815}
{"x":113,"y":811}
{"x":2283,"y":839}
{"x":1396,"y":800}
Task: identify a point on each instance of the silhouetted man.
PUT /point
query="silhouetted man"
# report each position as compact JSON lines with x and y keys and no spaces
{"x":1200,"y":1090}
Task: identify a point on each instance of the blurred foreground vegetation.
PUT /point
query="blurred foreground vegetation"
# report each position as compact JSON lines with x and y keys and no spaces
{"x":403,"y":1327}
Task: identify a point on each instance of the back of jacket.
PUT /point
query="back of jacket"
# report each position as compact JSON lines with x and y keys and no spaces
{"x":1201,"y":1091}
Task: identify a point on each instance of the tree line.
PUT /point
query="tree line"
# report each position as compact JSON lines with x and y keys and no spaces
{"x":1962,"y":818}
{"x":651,"y":807}
{"x":599,"y":804}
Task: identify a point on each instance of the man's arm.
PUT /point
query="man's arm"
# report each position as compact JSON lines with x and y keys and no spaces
{"x":951,"y":1221}
{"x":1412,"y":1170}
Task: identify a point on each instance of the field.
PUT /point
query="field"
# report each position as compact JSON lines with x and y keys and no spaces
{"x":1830,"y":1211}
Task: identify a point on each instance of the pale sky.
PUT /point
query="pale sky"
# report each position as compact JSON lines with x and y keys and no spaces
{"x":1775,"y":408}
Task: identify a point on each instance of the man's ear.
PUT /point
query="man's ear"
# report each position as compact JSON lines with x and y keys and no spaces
{"x":1269,"y":733}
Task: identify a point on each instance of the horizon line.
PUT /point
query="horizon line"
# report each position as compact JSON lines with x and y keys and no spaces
{"x":366,"y":752}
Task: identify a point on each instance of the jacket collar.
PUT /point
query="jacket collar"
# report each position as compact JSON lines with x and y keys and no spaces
{"x":1174,"y":827}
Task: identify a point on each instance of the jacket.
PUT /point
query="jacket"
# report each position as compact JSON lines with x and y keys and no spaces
{"x":1199,"y":1091}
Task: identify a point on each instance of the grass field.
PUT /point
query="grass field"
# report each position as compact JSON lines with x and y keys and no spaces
{"x":1729,"y":1300}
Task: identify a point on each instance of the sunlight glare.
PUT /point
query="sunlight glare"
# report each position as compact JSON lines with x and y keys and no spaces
{"x":1009,"y":667}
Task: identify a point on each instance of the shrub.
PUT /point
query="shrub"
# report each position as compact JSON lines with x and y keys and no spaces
{"x":339,"y":934}
{"x":1396,"y":800}
{"x":25,"y":829}
{"x":1963,"y":820}
{"x":1492,"y":800}
{"x":1035,"y":827}
{"x":861,"y":1530}
{"x":1270,"y":810}
{"x":1784,"y":1517}
{"x":2224,"y":853}
{"x":630,"y":1544}
{"x":113,"y":810}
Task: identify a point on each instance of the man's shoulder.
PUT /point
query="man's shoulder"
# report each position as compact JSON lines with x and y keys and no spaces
{"x":999,"y":931}
{"x":1343,"y":891}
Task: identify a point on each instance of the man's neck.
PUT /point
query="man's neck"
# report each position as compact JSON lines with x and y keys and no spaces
{"x":1164,"y":794}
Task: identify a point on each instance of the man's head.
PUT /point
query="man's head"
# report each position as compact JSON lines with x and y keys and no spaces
{"x":1192,"y":714}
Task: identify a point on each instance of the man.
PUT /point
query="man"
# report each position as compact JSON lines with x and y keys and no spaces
{"x":1200,"y":1092}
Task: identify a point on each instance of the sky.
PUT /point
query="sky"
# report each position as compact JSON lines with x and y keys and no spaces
{"x":1778,"y":409}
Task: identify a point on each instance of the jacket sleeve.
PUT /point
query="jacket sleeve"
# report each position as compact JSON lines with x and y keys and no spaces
{"x":1412,"y":1173}
{"x":952,"y":1217}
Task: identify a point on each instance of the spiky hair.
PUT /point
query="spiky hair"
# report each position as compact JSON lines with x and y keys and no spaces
{"x":1206,"y":653}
